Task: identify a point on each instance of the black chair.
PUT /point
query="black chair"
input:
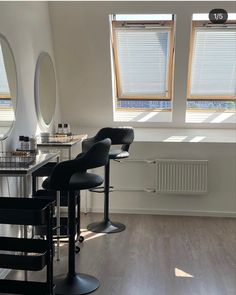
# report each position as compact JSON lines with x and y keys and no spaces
{"x":122,"y":136}
{"x":72,"y":176}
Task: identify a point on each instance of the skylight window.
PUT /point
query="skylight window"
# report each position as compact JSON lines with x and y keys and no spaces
{"x":212,"y":65}
{"x":143,"y":55}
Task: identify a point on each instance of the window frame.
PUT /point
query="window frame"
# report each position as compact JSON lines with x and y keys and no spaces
{"x":170,"y":79}
{"x":4,"y":96}
{"x":196,"y":24}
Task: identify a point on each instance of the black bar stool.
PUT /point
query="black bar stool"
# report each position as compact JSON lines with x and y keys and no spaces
{"x":72,"y":176}
{"x":123,"y":136}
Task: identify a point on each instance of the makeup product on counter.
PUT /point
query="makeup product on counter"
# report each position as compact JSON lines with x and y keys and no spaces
{"x":21,"y":142}
{"x":66,"y":128}
{"x":60,"y":129}
{"x":26,"y":143}
{"x":33,"y":143}
{"x":44,"y":137}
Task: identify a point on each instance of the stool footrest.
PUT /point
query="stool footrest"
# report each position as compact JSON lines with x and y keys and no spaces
{"x":101,"y":189}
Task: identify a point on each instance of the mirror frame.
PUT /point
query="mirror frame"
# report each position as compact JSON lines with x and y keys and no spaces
{"x":36,"y":90}
{"x":17,"y":87}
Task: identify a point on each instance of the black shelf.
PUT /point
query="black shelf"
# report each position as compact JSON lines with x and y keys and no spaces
{"x":22,"y":287}
{"x":24,"y":211}
{"x":27,"y":254}
{"x":23,"y":254}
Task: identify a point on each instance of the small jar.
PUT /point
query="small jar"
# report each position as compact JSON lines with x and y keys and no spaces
{"x":44,"y":137}
{"x":68,"y":129}
{"x":33,"y":144}
{"x":65,"y":129}
{"x":26,"y":143}
{"x":21,"y":142}
{"x":59,"y":129}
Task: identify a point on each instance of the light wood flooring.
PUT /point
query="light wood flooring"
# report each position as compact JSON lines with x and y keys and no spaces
{"x":159,"y":255}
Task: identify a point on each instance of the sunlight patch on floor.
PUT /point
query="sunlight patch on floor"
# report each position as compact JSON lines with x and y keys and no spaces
{"x":89,"y":235}
{"x":182,"y":274}
{"x":93,"y":236}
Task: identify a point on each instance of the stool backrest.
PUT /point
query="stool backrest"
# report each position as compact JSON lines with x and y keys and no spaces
{"x":96,"y":156}
{"x":119,"y":136}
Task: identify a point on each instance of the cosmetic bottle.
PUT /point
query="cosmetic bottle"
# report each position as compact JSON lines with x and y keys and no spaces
{"x":60,"y":129}
{"x":33,"y":143}
{"x":66,"y":129}
{"x":26,"y":143}
{"x":21,"y":142}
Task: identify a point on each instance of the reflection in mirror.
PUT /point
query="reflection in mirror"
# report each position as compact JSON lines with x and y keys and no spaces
{"x":45,"y":89}
{"x":8,"y":88}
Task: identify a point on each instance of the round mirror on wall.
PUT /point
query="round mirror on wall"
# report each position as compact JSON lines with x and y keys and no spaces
{"x":8,"y":88}
{"x":45,"y":89}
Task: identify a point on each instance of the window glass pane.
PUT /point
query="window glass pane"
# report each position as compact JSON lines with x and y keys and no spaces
{"x":216,"y":105}
{"x":144,"y":104}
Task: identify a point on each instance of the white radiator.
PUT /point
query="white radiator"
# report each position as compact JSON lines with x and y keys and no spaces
{"x":181,"y":176}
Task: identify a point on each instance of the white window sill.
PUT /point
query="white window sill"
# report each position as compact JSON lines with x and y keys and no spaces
{"x":185,"y":135}
{"x":195,"y":117}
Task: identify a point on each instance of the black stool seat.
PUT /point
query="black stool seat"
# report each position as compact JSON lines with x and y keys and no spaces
{"x":82,"y":181}
{"x":79,"y":181}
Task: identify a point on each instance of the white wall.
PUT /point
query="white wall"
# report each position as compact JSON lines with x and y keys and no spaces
{"x":218,"y":147}
{"x":219,"y":201}
{"x":26,"y":25}
{"x":82,"y":51}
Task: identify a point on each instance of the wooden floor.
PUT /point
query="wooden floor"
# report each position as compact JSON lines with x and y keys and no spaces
{"x":160,"y":255}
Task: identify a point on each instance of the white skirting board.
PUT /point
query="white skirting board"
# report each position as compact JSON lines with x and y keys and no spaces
{"x":167,"y":212}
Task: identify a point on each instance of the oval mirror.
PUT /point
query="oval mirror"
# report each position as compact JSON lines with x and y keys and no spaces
{"x":45,"y":89}
{"x":8,"y":88}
